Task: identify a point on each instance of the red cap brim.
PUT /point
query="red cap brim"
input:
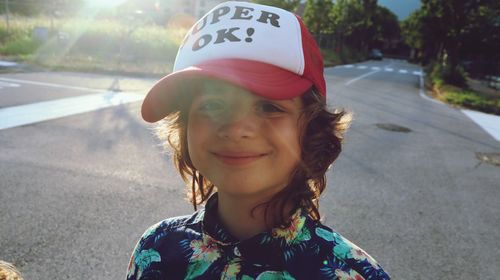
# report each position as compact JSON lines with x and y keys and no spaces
{"x":260,"y":78}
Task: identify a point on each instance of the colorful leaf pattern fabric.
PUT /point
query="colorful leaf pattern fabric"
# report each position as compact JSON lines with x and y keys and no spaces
{"x":198,"y":247}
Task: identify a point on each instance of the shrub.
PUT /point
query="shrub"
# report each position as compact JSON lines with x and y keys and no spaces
{"x":459,"y":95}
{"x":18,"y":44}
{"x":441,"y":73}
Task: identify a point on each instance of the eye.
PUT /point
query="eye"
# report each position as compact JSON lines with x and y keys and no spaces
{"x":269,"y":107}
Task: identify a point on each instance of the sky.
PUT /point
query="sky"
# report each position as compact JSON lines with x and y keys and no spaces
{"x":402,"y":8}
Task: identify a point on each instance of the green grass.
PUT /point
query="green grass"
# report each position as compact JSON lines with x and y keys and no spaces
{"x":470,"y":99}
{"x":19,"y":45}
{"x":460,"y":96}
{"x":466,"y":98}
{"x":109,"y":45}
{"x":78,"y":43}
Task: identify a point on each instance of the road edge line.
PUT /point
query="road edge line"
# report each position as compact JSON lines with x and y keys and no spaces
{"x":50,"y":84}
{"x":361,"y":77}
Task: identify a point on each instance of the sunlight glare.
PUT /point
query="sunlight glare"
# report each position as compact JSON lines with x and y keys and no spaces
{"x":104,"y":4}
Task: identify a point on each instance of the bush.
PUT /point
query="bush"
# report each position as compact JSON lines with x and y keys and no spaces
{"x":459,"y":95}
{"x":3,"y":34}
{"x":441,"y":73}
{"x":17,"y":43}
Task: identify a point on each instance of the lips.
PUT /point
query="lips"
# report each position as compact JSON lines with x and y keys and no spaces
{"x":238,"y":158}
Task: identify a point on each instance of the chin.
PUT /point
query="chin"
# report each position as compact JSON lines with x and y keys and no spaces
{"x":249,"y":189}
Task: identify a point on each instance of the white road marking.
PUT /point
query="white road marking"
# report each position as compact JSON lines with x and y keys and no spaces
{"x":367,"y":74}
{"x":388,"y":69}
{"x":4,"y":84}
{"x":490,"y":123}
{"x":403,"y":71}
{"x":348,"y":66}
{"x":361,"y":77}
{"x":48,"y":110}
{"x":49,"y":84}
{"x":375,"y":68}
{"x":7,"y":63}
{"x":418,"y":73}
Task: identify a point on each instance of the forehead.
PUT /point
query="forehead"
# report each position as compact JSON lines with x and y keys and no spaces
{"x":230,"y":92}
{"x":217,"y":87}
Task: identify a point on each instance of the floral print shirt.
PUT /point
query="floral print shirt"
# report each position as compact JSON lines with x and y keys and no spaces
{"x":198,"y":247}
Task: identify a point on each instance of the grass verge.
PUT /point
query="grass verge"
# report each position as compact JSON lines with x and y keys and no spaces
{"x":459,"y":96}
{"x":95,"y":45}
{"x":467,"y":98}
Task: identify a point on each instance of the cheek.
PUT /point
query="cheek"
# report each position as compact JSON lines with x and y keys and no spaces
{"x":287,"y":136}
{"x":198,"y":133}
{"x":192,"y":136}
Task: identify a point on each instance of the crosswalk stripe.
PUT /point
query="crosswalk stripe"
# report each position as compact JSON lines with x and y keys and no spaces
{"x":48,"y":110}
{"x":7,"y":63}
{"x":3,"y":79}
{"x":403,"y":71}
{"x":4,"y":84}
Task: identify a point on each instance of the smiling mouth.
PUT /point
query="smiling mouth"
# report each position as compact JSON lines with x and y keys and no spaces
{"x":238,"y":159}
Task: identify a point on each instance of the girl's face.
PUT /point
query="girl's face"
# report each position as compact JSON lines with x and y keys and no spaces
{"x":244,"y":144}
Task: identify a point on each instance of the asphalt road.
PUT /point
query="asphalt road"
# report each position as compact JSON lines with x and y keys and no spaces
{"x":76,"y":192}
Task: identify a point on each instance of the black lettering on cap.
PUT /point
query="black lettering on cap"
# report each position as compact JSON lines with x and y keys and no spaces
{"x":219,"y":12}
{"x":200,"y":26}
{"x":242,"y":11}
{"x":271,"y":17}
{"x":202,"y":42}
{"x":224,"y":34}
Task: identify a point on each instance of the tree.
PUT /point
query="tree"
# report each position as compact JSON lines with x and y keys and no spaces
{"x":316,"y":16}
{"x":289,"y":5}
{"x":22,"y":7}
{"x":442,"y":28}
{"x":34,"y":7}
{"x":411,"y":29}
{"x":362,"y":24}
{"x":348,"y":20}
{"x":386,"y":26}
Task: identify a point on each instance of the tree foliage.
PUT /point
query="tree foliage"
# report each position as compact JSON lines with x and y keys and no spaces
{"x":448,"y":30}
{"x":386,"y":24}
{"x":36,"y":7}
{"x":363,"y":24}
{"x":316,"y":15}
{"x":289,"y":5}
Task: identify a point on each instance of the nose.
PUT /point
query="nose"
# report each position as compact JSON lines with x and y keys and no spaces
{"x":238,"y":125}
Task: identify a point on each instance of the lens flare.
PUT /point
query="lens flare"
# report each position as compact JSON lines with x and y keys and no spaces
{"x":104,"y":4}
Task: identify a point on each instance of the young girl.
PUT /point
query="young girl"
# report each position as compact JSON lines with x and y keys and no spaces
{"x":245,"y":113}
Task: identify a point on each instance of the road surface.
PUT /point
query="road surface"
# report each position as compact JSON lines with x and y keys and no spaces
{"x":82,"y":176}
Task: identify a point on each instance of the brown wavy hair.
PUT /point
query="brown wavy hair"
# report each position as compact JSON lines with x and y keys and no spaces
{"x":9,"y":272}
{"x":321,"y":143}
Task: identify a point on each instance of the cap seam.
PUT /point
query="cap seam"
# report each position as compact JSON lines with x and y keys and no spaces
{"x":300,"y":43}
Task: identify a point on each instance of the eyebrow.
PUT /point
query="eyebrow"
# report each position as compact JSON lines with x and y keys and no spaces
{"x":291,"y":101}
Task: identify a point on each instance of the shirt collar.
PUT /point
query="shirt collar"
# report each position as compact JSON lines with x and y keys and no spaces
{"x":266,"y":247}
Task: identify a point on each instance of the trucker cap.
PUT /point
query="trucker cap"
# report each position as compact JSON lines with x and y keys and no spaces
{"x":264,"y":49}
